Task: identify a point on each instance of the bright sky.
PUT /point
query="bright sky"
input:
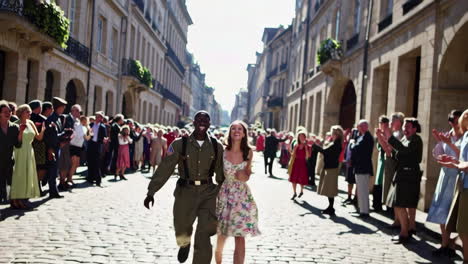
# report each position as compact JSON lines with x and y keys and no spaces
{"x":225,"y":36}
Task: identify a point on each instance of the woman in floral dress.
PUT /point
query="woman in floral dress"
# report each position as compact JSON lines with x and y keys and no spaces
{"x":236,"y":209}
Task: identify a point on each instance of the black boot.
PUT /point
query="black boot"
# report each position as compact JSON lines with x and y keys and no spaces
{"x":183,"y":254}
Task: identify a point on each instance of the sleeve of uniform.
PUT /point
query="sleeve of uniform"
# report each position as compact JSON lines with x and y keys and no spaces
{"x":219,"y":165}
{"x":165,"y":169}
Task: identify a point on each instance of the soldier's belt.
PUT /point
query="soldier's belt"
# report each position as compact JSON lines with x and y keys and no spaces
{"x":196,"y":183}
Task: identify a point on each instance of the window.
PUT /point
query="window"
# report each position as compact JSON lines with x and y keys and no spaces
{"x":101,"y":37}
{"x":337,"y":24}
{"x":72,"y":15}
{"x":357,"y":16}
{"x":113,"y":45}
{"x":389,"y":8}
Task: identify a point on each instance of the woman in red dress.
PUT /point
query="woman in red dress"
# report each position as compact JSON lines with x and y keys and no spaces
{"x":298,"y":165}
{"x":260,"y":146}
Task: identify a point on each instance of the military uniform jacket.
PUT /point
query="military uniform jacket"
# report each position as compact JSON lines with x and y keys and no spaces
{"x":199,"y":161}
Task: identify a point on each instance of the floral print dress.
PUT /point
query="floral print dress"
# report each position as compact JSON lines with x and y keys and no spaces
{"x":236,"y":209}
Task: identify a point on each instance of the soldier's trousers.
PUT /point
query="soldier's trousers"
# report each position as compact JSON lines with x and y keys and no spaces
{"x":196,"y":202}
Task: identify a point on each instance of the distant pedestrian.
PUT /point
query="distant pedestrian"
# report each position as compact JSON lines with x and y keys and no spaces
{"x":458,"y":216}
{"x":158,"y":148}
{"x":380,"y":174}
{"x":260,"y":142}
{"x":328,"y":185}
{"x":269,"y":153}
{"x":10,"y":136}
{"x":361,"y":159}
{"x":123,"y":160}
{"x":95,"y":147}
{"x":297,"y":169}
{"x":447,"y":144}
{"x":350,"y":176}
{"x":404,"y":192}
{"x":24,"y":183}
{"x":81,"y":135}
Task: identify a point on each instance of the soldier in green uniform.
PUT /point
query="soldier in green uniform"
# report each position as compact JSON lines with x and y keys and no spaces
{"x":199,"y":156}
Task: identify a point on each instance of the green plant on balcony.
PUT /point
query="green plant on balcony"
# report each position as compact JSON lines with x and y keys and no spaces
{"x":147,"y":79}
{"x":142,"y":73}
{"x":49,"y":18}
{"x":329,"y":49}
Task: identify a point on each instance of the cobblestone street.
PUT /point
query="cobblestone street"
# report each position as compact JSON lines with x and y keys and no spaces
{"x":110,"y":225}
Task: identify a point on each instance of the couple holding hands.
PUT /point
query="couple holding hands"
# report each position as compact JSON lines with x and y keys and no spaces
{"x":226,"y":208}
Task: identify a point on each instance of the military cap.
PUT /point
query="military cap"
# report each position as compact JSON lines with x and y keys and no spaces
{"x":34,"y":104}
{"x":57,"y":102}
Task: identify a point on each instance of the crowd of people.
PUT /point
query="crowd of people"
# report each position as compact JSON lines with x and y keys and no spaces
{"x":41,"y":145}
{"x":397,"y":177}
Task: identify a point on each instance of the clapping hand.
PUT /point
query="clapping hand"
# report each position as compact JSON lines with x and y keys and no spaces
{"x":445,"y":138}
{"x":448,"y":161}
{"x":435,"y":134}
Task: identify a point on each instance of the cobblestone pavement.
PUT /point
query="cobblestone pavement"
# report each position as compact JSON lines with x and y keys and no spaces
{"x":110,"y":225}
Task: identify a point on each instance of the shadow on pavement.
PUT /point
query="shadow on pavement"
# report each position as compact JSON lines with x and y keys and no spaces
{"x":276,"y":178}
{"x":18,"y":213}
{"x":313,"y":210}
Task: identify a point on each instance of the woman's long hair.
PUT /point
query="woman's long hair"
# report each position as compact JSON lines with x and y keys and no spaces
{"x":245,"y":148}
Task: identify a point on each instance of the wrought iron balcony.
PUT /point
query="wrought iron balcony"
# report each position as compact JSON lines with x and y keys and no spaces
{"x":409,"y":5}
{"x":129,"y":68}
{"x":166,"y":93}
{"x":275,"y":102}
{"x":385,"y":22}
{"x":272,"y":73}
{"x":14,"y":17}
{"x":77,"y":51}
{"x":352,"y":41}
{"x":140,"y":4}
{"x":171,"y":54}
{"x":15,"y":7}
{"x":283,"y":66}
{"x":155,"y":26}
{"x":148,"y":16}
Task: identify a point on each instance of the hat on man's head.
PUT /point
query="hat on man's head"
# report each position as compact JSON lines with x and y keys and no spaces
{"x":34,"y":104}
{"x":101,"y":113}
{"x":57,"y":102}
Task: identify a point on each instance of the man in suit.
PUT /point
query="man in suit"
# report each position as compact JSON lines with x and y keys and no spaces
{"x":361,"y":158}
{"x":52,"y":136}
{"x":271,"y":147}
{"x":114,"y":140}
{"x":98,"y":134}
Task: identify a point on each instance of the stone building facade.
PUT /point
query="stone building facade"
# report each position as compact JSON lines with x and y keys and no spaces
{"x":96,"y":70}
{"x":400,"y":55}
{"x":239,"y":111}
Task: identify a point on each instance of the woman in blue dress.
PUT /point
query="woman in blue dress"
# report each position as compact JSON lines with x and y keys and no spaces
{"x":443,"y":196}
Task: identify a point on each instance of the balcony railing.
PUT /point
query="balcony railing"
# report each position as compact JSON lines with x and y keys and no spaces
{"x":170,"y":96}
{"x":352,"y":41}
{"x":155,"y":26}
{"x":77,"y":51}
{"x":409,"y":5}
{"x":283,"y":67}
{"x":385,"y":22}
{"x":171,"y":54}
{"x":275,"y":102}
{"x":12,"y":6}
{"x":140,"y":4}
{"x":148,"y":16}
{"x":273,"y":73}
{"x":129,"y":68}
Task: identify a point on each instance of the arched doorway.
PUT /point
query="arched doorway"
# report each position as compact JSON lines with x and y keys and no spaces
{"x":70,"y":95}
{"x":74,"y":94}
{"x":109,"y":103}
{"x":127,"y":105}
{"x":50,"y":82}
{"x":347,"y":116}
